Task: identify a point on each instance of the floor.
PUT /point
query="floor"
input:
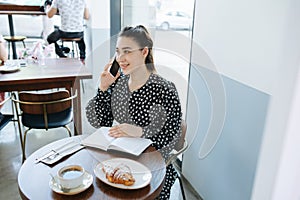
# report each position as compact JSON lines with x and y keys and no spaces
{"x":10,"y":154}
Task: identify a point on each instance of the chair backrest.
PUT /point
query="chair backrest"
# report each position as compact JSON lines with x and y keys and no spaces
{"x":181,"y":142}
{"x":51,"y":100}
{"x":3,"y":100}
{"x":180,"y":146}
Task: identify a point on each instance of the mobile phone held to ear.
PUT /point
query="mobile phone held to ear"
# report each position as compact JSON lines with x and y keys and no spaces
{"x":114,"y":68}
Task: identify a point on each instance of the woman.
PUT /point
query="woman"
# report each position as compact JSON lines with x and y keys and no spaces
{"x":142,"y":102}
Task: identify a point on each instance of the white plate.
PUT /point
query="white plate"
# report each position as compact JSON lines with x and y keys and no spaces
{"x":140,"y":172}
{"x":87,"y":182}
{"x":9,"y":68}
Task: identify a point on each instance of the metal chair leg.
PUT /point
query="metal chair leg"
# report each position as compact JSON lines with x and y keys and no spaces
{"x":24,"y":44}
{"x":73,"y":53}
{"x":24,"y":142}
{"x":20,"y":130}
{"x":68,"y":129}
{"x":13,"y":108}
{"x":8,"y":50}
{"x":77,"y":50}
{"x":181,"y":187}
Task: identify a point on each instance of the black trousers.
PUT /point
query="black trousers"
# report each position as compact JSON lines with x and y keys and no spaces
{"x":57,"y":34}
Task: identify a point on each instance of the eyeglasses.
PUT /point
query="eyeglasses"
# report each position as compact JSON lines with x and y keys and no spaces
{"x":126,"y":51}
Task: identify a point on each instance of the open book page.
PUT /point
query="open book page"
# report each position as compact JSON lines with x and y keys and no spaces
{"x":130,"y":145}
{"x":100,"y":139}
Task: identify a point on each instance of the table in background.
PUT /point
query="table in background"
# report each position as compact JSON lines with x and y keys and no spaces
{"x":11,"y":10}
{"x":33,"y":179}
{"x":56,"y":73}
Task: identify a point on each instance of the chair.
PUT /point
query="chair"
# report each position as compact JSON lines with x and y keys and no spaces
{"x":74,"y":46}
{"x":4,"y":118}
{"x":179,"y":148}
{"x":43,"y":111}
{"x":11,"y":39}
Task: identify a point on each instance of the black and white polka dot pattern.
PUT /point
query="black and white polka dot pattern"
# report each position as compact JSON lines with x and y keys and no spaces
{"x":155,"y":107}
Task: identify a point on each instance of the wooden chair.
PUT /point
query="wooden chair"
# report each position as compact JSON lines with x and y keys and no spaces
{"x":11,"y":39}
{"x":43,"y":111}
{"x":74,"y":46}
{"x":180,"y":147}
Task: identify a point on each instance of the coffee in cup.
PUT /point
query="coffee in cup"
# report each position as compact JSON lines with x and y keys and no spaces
{"x":71,"y":176}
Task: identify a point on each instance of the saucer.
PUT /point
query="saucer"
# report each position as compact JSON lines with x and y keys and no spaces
{"x":8,"y":69}
{"x":139,"y":171}
{"x":87,"y":182}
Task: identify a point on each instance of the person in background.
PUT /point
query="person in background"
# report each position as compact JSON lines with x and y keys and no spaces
{"x":3,"y":58}
{"x":73,"y":13}
{"x":48,"y":24}
{"x":139,"y":100}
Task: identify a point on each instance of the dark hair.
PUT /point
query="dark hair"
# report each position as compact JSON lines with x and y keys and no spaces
{"x":141,"y":35}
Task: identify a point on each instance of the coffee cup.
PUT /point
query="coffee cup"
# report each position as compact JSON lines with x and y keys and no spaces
{"x":70,"y":176}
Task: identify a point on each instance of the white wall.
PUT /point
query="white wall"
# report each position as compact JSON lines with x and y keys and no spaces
{"x":246,"y":39}
{"x":257,"y":43}
{"x":288,"y":179}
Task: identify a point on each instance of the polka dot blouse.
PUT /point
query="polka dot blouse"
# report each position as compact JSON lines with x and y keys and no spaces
{"x":155,"y":107}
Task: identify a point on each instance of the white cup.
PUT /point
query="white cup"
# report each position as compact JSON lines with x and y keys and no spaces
{"x":71,"y":176}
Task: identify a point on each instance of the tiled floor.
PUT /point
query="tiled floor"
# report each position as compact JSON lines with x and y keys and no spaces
{"x":10,"y":153}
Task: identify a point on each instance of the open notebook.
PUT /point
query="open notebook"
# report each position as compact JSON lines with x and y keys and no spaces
{"x":100,"y":139}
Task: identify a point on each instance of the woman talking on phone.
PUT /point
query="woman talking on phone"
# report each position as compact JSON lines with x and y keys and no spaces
{"x":143,"y":103}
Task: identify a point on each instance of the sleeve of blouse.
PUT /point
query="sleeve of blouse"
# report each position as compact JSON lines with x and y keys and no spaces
{"x":167,"y":134}
{"x":98,"y":109}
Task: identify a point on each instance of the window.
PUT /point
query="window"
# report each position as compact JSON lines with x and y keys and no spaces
{"x":26,"y":25}
{"x":171,"y":27}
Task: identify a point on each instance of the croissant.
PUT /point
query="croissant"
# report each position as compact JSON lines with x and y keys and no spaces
{"x":121,"y":174}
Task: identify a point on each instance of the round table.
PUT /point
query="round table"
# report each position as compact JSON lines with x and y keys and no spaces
{"x":34,"y":178}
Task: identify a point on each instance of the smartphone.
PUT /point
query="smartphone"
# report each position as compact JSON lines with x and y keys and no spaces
{"x":22,"y":63}
{"x":114,"y":68}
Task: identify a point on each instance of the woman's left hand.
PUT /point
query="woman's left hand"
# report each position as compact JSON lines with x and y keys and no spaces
{"x":125,"y":130}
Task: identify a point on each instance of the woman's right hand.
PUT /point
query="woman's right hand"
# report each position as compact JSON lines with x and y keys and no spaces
{"x":106,"y":79}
